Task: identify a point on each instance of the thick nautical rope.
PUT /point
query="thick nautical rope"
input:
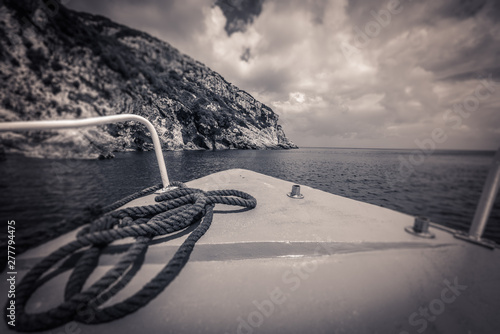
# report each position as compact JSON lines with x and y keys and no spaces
{"x":175,"y":210}
{"x":38,"y":237}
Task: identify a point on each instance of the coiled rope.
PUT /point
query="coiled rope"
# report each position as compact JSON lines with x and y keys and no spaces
{"x":38,"y":237}
{"x":175,"y":210}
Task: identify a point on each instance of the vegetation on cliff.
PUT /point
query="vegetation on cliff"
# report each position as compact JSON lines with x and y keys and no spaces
{"x":59,"y":64}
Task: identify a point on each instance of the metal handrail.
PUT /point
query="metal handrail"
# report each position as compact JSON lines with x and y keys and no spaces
{"x":487,"y":200}
{"x":79,"y":123}
{"x":485,"y":205}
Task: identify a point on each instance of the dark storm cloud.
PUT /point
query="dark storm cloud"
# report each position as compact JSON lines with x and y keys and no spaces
{"x":452,"y":52}
{"x":462,"y":9}
{"x":459,"y":9}
{"x":175,"y":21}
{"x":318,"y":8}
{"x":245,"y":56}
{"x":239,"y":13}
{"x":476,"y":48}
{"x":494,"y":72}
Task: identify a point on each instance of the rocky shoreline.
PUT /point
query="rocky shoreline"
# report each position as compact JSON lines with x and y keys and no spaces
{"x":71,"y":65}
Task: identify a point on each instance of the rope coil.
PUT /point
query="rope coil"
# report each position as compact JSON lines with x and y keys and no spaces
{"x":175,"y":210}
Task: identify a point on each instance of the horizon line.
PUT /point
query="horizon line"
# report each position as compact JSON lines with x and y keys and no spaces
{"x":405,"y":149}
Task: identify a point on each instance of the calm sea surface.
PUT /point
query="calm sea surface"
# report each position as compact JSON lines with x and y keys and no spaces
{"x":445,"y":186}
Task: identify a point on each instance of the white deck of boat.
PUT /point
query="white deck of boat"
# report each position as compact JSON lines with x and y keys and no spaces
{"x":323,"y":264}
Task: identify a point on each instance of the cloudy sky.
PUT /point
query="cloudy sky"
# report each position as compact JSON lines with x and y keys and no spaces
{"x":345,"y":73}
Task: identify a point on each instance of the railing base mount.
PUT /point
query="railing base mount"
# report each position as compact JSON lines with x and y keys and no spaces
{"x":478,"y":241}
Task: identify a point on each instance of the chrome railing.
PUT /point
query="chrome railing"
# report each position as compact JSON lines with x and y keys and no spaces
{"x":79,"y":123}
{"x":483,"y":210}
{"x":487,"y":200}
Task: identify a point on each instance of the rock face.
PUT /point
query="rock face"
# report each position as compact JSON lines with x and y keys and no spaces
{"x":59,"y":64}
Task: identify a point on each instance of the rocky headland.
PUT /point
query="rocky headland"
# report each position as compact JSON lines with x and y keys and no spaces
{"x":56,"y":63}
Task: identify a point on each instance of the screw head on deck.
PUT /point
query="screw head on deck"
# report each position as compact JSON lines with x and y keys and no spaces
{"x":295,"y":192}
{"x":420,"y":228}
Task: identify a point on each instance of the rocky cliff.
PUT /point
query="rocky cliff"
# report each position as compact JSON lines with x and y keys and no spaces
{"x":59,"y":64}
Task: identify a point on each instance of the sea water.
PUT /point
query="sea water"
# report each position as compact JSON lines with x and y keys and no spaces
{"x":444,"y":186}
